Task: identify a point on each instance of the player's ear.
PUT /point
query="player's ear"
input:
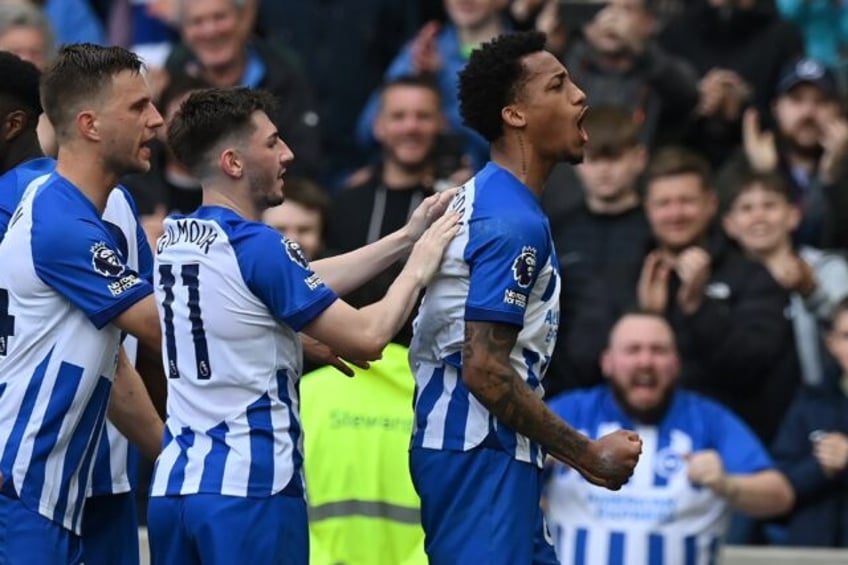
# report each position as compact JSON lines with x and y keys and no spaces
{"x":88,"y":125}
{"x":513,"y":116}
{"x":13,"y":124}
{"x":231,"y":163}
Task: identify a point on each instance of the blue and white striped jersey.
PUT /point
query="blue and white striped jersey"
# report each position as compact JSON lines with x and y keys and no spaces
{"x":501,"y":267}
{"x":658,"y":517}
{"x":13,"y":183}
{"x":63,"y":281}
{"x":232,"y":295}
{"x":116,"y":460}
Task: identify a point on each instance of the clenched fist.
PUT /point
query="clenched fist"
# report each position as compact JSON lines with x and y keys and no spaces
{"x":610,"y":460}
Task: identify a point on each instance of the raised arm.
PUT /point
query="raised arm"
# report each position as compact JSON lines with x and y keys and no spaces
{"x":347,"y":272}
{"x":489,"y":375}
{"x":760,"y":494}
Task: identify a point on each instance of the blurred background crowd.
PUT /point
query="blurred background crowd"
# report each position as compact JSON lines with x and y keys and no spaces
{"x":714,"y":189}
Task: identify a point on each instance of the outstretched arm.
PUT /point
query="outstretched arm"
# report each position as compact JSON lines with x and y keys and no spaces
{"x":347,"y":272}
{"x":489,"y":375}
{"x":362,"y":334}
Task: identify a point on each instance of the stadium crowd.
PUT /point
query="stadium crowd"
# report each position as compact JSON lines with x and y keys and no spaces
{"x":702,"y":242}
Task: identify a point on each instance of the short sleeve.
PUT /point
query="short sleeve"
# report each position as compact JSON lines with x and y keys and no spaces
{"x":504,"y":258}
{"x":741,"y":451}
{"x":8,"y":199}
{"x":85,"y":268}
{"x":276,"y":270}
{"x":5,"y":217}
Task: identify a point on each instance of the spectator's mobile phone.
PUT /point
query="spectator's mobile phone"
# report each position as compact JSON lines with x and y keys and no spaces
{"x":816,"y":435}
{"x":448,"y":151}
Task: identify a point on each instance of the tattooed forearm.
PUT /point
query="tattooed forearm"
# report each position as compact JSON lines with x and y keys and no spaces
{"x":488,"y":374}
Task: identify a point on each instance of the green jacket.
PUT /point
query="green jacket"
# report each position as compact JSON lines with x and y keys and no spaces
{"x":363,"y":508}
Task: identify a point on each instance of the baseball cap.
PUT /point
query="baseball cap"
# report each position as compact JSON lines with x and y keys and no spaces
{"x":808,"y":71}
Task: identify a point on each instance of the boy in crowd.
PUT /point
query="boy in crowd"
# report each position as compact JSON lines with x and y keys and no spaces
{"x":762,"y":218}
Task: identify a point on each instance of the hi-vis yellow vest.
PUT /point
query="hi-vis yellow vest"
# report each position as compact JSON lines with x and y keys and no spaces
{"x":363,"y":509}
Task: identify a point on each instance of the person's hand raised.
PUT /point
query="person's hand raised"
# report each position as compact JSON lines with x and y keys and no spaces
{"x":759,"y":144}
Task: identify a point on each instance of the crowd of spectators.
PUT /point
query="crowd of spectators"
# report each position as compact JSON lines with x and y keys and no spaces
{"x":714,"y":191}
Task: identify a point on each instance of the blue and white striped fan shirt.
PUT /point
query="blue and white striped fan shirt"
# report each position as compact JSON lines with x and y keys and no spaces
{"x":658,"y":517}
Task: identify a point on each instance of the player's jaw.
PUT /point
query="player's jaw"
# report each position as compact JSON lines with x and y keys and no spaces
{"x":145,"y":151}
{"x":267,"y":188}
{"x":566,"y":140}
{"x":127,"y":157}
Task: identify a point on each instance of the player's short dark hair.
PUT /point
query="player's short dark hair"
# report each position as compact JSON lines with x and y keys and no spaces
{"x":19,"y":86}
{"x":769,"y":181}
{"x":414,"y":81}
{"x":211,"y":115}
{"x":612,"y":130}
{"x":672,"y":161}
{"x":79,"y":74}
{"x":493,"y":78}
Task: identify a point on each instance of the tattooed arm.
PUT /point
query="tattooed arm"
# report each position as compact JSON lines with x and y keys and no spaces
{"x":488,"y":374}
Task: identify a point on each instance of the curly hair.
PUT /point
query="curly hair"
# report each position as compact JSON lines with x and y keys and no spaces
{"x":492,"y":78}
{"x":20,"y":90}
{"x":210,"y":115}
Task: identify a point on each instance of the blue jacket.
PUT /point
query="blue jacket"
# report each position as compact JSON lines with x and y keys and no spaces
{"x":820,"y":516}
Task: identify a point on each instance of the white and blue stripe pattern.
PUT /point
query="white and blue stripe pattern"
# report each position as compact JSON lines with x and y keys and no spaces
{"x":115,"y":465}
{"x":658,"y":517}
{"x":233,"y":354}
{"x":500,"y":268}
{"x":115,"y":462}
{"x":592,"y":547}
{"x":60,"y":350}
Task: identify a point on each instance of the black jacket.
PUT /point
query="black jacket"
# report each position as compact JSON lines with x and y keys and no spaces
{"x":589,"y":245}
{"x":296,"y":116}
{"x":754,"y":43}
{"x":737,"y":347}
{"x":660,"y":88}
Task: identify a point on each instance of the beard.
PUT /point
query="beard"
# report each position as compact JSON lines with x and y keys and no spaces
{"x":790,"y":142}
{"x":120,"y":164}
{"x":648,"y":416}
{"x":264,"y":196}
